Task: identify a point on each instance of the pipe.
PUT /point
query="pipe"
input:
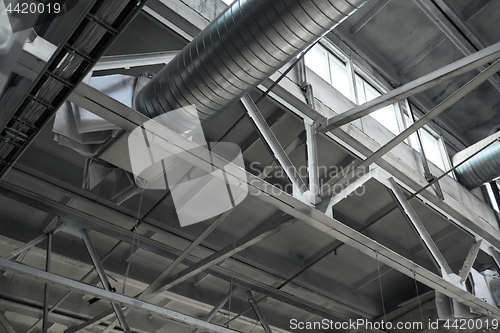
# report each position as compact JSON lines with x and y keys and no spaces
{"x":481,"y":169}
{"x":242,"y":47}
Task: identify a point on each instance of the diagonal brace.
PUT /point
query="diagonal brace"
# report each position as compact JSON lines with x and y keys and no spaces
{"x":217,"y":307}
{"x":469,"y":261}
{"x":6,"y":323}
{"x":417,"y":225}
{"x":425,"y":82}
{"x":258,"y":312}
{"x":104,"y":279}
{"x":269,"y":228}
{"x":272,"y":142}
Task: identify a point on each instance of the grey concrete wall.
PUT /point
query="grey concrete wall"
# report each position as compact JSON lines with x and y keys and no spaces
{"x":209,"y":9}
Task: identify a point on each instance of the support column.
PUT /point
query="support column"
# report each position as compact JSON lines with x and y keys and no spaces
{"x":417,"y":225}
{"x":45,"y":325}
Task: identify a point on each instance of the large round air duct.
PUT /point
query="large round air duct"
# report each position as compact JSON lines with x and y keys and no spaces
{"x":481,"y":168}
{"x":242,"y":47}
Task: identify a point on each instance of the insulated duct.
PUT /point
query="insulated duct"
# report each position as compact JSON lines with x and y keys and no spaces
{"x":483,"y":167}
{"x":242,"y":47}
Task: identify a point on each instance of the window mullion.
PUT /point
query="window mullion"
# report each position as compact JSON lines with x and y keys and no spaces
{"x":352,"y":81}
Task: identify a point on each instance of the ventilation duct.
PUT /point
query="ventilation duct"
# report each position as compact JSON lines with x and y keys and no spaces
{"x":242,"y":47}
{"x":481,"y":168}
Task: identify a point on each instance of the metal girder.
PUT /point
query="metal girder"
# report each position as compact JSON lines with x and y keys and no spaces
{"x":154,"y":287}
{"x":68,"y":77}
{"x":258,"y":312}
{"x":434,"y":9}
{"x":297,"y":142}
{"x":103,"y":277}
{"x":427,"y":171}
{"x":38,"y":52}
{"x":443,"y":106}
{"x":134,"y":60}
{"x":368,"y":16}
{"x":469,"y":261}
{"x":32,"y":243}
{"x":272,"y":142}
{"x":217,"y":307}
{"x":269,"y":228}
{"x":128,"y":119}
{"x":92,"y":322}
{"x":45,"y":321}
{"x":88,"y":221}
{"x":312,"y":158}
{"x":345,"y":192}
{"x":454,"y":69}
{"x":417,"y":225}
{"x":6,"y":323}
{"x":111,"y":296}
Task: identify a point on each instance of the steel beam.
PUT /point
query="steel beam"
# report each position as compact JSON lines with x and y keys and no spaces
{"x":88,"y":221}
{"x":111,"y":296}
{"x":32,"y":243}
{"x":312,"y":159}
{"x":258,"y":312}
{"x":417,"y":225}
{"x":152,"y":289}
{"x":45,"y":321}
{"x":427,"y":171}
{"x":134,"y":60}
{"x":469,"y":261}
{"x":104,"y":279}
{"x":269,"y":228}
{"x":434,"y":9}
{"x":272,"y":142}
{"x":430,"y":80}
{"x":92,"y":322}
{"x":443,"y":106}
{"x":217,"y":307}
{"x":6,"y":323}
{"x":281,"y":200}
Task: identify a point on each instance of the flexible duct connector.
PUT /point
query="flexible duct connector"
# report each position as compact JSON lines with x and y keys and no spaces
{"x":242,"y":47}
{"x":482,"y":168}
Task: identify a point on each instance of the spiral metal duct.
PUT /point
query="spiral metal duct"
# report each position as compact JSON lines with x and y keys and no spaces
{"x":482,"y":168}
{"x":242,"y":47}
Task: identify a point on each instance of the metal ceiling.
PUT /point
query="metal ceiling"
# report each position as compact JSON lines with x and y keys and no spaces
{"x":303,"y":271}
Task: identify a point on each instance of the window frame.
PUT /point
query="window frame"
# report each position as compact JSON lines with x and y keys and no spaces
{"x":381,"y":90}
{"x":445,"y":158}
{"x":372,"y":78}
{"x":332,"y":56}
